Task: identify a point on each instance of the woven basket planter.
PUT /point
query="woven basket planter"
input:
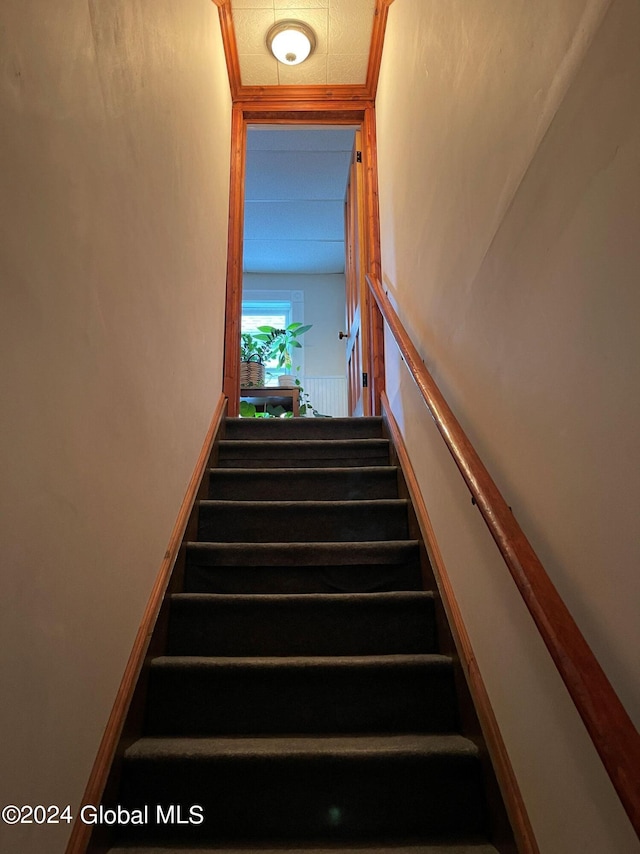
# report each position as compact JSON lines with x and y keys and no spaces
{"x":252,"y":374}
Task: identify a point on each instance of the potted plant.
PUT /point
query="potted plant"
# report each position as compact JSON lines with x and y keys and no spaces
{"x":279,"y":343}
{"x":253,"y":354}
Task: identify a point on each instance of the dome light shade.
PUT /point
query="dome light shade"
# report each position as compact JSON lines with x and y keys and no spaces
{"x":291,"y":42}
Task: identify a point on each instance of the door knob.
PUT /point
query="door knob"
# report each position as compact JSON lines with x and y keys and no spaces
{"x":342,"y":335}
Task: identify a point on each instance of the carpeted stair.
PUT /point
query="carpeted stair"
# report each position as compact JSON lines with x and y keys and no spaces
{"x":302,"y":701}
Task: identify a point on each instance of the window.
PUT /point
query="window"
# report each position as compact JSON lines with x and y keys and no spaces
{"x":257,"y":313}
{"x":278,"y":309}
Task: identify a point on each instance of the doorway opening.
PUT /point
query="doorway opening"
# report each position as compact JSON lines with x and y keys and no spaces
{"x":294,"y":265}
{"x":354,"y":240}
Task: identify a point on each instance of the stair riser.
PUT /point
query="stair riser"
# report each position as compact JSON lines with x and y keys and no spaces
{"x":188,"y":700}
{"x":285,"y":454}
{"x":310,"y":797}
{"x":302,"y":579}
{"x":280,"y":629}
{"x":300,"y":460}
{"x":303,"y":428}
{"x":299,"y":522}
{"x":375,"y":553}
{"x":293,"y":485}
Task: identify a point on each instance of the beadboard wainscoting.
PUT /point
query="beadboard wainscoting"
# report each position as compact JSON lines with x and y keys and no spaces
{"x":328,"y":394}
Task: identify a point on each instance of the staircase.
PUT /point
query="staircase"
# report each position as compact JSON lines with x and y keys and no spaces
{"x":303,"y":703}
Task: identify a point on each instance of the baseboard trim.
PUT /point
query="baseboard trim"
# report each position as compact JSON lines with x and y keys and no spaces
{"x":512,"y":796}
{"x":81,"y":833}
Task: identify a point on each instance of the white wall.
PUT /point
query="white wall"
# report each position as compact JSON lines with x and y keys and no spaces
{"x":324,"y":308}
{"x":114,"y":170}
{"x":509,"y":158}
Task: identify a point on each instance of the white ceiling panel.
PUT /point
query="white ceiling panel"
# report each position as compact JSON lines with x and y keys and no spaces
{"x":350,"y":26}
{"x":294,"y":199}
{"x":269,"y":138}
{"x":293,"y":256}
{"x":252,"y":4}
{"x":312,"y":72}
{"x":251,"y":27}
{"x":260,"y":70}
{"x":282,"y":175}
{"x":301,"y":4}
{"x":342,"y":27}
{"x":299,"y":220}
{"x":347,"y":68}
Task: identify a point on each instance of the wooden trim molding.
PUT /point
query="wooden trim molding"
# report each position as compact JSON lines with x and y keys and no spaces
{"x":303,"y":93}
{"x":233,"y":307}
{"x":377,"y":44}
{"x":289,"y":113}
{"x":230,"y":46}
{"x":372,"y":248}
{"x":507,"y":781}
{"x":608,"y":724}
{"x":81,"y":833}
{"x":352,"y":94}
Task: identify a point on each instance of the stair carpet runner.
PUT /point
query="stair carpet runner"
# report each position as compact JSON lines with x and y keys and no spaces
{"x":302,"y":704}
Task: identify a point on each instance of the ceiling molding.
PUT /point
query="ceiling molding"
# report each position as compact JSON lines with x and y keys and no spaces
{"x":304,"y":112}
{"x":340,"y":92}
{"x":377,"y":43}
{"x":335,"y":94}
{"x":230,"y":46}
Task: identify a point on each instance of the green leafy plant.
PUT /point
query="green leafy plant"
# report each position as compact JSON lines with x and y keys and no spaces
{"x":250,"y":410}
{"x":251,"y":346}
{"x":306,"y":407}
{"x":280,"y":342}
{"x":270,"y":343}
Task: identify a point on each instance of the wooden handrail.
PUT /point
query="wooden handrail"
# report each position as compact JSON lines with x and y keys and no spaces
{"x":611,"y":729}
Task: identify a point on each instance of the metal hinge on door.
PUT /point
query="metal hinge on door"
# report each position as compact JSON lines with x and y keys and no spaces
{"x":358,"y":157}
{"x":365,"y":380}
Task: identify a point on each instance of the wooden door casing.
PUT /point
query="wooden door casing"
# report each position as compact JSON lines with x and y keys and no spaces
{"x":357,"y":294}
{"x":305,"y":113}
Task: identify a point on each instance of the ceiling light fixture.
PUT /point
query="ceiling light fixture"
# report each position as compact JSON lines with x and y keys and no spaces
{"x":291,"y":42}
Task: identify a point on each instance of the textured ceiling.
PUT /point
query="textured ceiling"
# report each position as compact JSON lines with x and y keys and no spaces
{"x":342,"y":27}
{"x":294,"y":199}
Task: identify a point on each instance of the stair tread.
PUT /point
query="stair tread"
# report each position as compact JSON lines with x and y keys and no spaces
{"x":397,"y":596}
{"x":363,"y":426}
{"x":296,"y":453}
{"x":311,"y":471}
{"x":307,"y":661}
{"x":308,"y":505}
{"x":331,"y":422}
{"x":311,"y":746}
{"x":302,"y":848}
{"x":305,"y":443}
